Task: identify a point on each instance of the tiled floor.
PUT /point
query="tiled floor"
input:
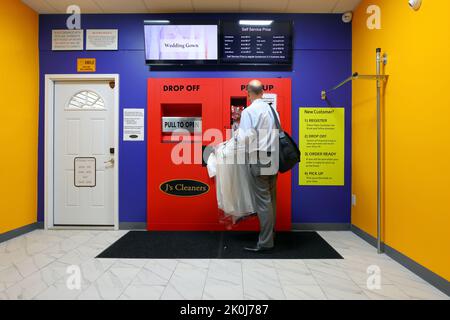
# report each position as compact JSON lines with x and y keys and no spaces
{"x":40,"y":265}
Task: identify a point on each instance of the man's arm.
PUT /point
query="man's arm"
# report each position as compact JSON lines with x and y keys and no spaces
{"x":246,"y":129}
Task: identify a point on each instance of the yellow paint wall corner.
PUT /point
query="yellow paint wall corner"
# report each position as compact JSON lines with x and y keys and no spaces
{"x":416,"y":135}
{"x":19,"y":84}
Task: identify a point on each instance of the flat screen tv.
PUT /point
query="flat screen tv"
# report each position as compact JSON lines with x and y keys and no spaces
{"x":181,"y":43}
{"x":256,"y":42}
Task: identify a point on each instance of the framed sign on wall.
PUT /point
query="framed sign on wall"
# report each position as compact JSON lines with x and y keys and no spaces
{"x":67,"y":40}
{"x":102,"y":39}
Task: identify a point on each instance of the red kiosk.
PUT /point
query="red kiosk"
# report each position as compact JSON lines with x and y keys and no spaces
{"x":182,"y":196}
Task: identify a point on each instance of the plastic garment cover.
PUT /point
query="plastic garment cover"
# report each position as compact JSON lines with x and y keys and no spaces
{"x":233,"y":185}
{"x":212,"y":165}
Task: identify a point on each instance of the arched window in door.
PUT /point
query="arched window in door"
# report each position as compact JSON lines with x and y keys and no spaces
{"x":86,"y":100}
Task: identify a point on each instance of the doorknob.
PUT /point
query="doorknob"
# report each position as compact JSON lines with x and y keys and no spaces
{"x":110,"y":161}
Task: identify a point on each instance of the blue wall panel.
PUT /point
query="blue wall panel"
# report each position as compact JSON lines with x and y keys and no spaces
{"x":322,"y":58}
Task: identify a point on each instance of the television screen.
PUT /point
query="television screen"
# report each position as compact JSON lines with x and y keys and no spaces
{"x":256,"y":42}
{"x":181,"y":43}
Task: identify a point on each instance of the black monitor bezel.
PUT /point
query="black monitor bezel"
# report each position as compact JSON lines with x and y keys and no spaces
{"x":219,"y":64}
{"x":273,"y":63}
{"x":178,"y":22}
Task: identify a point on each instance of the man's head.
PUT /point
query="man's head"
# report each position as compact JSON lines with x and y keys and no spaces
{"x":255,"y":90}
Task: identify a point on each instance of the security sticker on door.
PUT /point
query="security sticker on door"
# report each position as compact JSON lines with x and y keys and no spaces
{"x":85,"y":172}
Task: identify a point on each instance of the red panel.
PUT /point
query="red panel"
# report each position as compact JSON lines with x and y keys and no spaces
{"x":211,"y":99}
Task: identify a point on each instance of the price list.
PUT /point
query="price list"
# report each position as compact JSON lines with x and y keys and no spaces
{"x":256,"y":44}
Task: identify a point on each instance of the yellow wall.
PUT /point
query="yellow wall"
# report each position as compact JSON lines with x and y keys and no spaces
{"x":416,"y":129}
{"x":19,"y":112}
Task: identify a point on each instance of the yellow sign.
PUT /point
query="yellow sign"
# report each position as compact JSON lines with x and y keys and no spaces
{"x":322,"y":142}
{"x":86,"y":65}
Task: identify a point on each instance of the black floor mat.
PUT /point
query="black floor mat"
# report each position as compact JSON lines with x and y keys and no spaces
{"x":217,"y":245}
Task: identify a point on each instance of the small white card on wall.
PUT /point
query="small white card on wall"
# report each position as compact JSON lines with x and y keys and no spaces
{"x":67,"y":40}
{"x":270,"y":99}
{"x":133,"y":124}
{"x":102,"y":39}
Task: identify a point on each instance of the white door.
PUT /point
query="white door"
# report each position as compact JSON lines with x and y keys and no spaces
{"x":83,"y":153}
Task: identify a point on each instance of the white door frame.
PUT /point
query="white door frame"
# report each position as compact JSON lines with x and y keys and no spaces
{"x":50,"y":80}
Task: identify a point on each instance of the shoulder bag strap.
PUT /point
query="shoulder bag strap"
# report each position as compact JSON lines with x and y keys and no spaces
{"x":277,"y":122}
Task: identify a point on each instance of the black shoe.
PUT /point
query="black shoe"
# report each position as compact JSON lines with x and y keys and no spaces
{"x":258,"y":249}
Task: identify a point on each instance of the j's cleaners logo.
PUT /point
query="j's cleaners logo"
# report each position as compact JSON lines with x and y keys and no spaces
{"x":184,"y":188}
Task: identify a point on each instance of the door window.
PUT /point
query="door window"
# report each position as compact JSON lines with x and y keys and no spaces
{"x":86,"y":100}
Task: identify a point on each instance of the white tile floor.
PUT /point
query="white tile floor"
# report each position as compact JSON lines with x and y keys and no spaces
{"x":35,"y":266}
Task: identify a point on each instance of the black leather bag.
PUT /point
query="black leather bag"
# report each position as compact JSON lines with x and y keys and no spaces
{"x":289,"y":153}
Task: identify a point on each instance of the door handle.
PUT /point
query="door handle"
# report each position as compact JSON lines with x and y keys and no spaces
{"x":110,"y":162}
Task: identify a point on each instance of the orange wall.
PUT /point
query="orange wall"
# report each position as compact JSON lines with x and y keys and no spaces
{"x":19,"y":111}
{"x":416,"y":121}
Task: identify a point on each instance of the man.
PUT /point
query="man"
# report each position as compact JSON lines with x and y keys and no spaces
{"x":258,"y":130}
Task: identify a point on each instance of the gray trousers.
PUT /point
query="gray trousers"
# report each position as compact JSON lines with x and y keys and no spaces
{"x":265,"y":192}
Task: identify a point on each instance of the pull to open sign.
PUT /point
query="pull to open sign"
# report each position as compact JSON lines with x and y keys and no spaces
{"x":191,"y":124}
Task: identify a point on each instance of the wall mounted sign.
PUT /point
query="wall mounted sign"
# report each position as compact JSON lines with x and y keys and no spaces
{"x":270,"y":99}
{"x":133,"y":124}
{"x":271,"y":44}
{"x":322,"y":142}
{"x":102,"y":39}
{"x":191,"y":124}
{"x":67,"y":40}
{"x":86,"y":65}
{"x":85,"y":172}
{"x":184,"y":188}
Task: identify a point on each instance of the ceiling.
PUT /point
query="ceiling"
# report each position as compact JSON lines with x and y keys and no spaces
{"x":175,"y":6}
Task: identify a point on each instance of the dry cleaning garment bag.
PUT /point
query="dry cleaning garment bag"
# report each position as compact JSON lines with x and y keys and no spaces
{"x":233,"y":185}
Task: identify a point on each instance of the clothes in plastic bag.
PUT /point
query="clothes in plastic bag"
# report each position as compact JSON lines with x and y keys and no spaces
{"x":212,"y":165}
{"x":233,"y":185}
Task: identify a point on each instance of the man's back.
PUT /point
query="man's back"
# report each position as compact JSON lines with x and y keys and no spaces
{"x":259,"y":127}
{"x":259,"y":117}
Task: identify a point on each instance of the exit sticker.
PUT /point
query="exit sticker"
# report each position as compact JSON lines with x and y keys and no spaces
{"x":86,"y":65}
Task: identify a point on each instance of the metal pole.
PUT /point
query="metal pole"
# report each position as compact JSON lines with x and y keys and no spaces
{"x":379,"y":244}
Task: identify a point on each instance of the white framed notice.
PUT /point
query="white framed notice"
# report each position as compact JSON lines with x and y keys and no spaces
{"x":67,"y":40}
{"x":270,"y":99}
{"x":133,"y":124}
{"x":102,"y":39}
{"x":85,"y":172}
